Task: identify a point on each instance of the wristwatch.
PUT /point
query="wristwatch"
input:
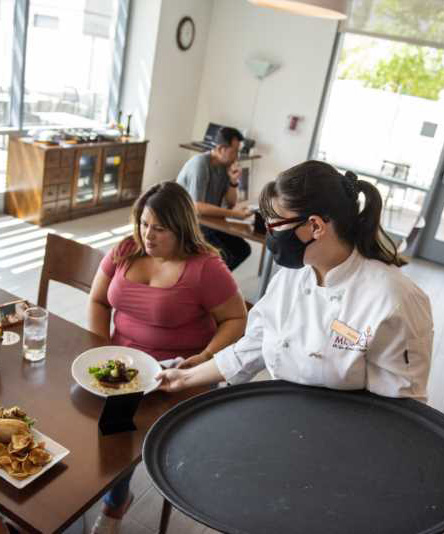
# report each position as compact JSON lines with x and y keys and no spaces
{"x":234,"y":185}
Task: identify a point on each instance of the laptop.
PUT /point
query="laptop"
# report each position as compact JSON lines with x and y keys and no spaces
{"x":209,"y":140}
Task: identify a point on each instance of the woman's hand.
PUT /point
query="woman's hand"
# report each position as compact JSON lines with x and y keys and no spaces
{"x":241,"y":213}
{"x":171,"y":380}
{"x":197,"y":359}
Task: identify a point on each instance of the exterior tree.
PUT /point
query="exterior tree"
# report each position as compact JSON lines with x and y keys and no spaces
{"x":419,"y":19}
{"x":411,"y":70}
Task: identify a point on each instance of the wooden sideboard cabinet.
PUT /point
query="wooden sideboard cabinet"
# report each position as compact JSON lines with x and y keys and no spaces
{"x":47,"y":184}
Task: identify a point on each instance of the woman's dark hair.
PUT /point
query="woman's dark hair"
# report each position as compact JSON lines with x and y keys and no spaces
{"x":317,"y":188}
{"x":175,"y":210}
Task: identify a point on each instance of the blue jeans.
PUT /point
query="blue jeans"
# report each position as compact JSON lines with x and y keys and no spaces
{"x":118,"y":494}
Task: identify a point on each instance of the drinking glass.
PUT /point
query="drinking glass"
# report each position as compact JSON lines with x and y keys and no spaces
{"x":35,"y":328}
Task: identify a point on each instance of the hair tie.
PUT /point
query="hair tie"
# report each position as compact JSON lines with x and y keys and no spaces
{"x":350,"y":183}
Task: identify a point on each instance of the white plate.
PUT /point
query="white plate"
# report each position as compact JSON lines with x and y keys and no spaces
{"x":147,"y":366}
{"x":57,"y":451}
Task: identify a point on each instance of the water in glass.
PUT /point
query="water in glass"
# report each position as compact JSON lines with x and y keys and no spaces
{"x":34,"y":334}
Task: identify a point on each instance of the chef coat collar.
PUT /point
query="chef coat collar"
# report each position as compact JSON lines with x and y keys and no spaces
{"x":339,"y":274}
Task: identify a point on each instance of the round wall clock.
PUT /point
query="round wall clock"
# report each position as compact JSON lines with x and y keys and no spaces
{"x":185,"y":34}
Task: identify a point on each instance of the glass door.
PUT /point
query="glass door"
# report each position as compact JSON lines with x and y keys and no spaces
{"x":87,"y":170}
{"x":111,"y":176}
{"x":384,"y":121}
{"x":431,"y":238}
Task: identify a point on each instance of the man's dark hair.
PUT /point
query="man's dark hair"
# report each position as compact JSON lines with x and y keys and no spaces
{"x":226,"y":135}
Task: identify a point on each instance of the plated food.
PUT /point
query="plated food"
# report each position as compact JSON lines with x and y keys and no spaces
{"x":115,"y":374}
{"x":20,"y":454}
{"x":138,"y":368}
{"x":25,"y":453}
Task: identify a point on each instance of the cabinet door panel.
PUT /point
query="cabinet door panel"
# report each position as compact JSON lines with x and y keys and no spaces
{"x":112,"y":174}
{"x":87,"y":170}
{"x":132,"y":180}
{"x":132,"y":152}
{"x":134,"y":165}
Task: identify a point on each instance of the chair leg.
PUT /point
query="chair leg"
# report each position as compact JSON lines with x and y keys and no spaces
{"x":165,"y":517}
{"x":261,"y":262}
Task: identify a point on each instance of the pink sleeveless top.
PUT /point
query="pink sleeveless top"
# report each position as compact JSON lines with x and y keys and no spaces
{"x":173,"y":321}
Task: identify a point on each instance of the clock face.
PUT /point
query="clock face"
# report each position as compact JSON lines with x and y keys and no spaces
{"x":185,"y":33}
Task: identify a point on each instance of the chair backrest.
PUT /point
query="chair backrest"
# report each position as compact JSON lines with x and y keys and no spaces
{"x":68,"y":262}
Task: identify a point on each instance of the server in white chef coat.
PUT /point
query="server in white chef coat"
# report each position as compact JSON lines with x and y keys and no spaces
{"x":339,"y":313}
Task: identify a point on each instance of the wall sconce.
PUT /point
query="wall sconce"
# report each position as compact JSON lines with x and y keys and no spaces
{"x":329,"y":9}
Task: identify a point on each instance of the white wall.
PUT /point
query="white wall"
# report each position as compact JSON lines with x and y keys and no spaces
{"x":139,"y":61}
{"x":175,"y":88}
{"x":301,"y":45}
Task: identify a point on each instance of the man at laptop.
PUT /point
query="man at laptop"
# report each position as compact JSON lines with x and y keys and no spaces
{"x":212,"y":179}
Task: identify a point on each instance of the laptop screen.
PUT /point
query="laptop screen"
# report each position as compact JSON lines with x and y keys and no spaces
{"x":210,"y":134}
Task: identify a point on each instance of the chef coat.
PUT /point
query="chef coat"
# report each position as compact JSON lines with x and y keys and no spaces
{"x":370,"y":327}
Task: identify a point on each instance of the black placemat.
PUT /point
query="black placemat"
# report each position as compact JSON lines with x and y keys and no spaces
{"x":277,"y":458}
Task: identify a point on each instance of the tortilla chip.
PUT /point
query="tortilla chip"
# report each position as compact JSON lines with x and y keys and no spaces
{"x":39,"y":456}
{"x":19,"y":442}
{"x":30,"y":468}
{"x":19,"y":457}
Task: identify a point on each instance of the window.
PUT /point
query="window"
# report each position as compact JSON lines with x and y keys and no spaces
{"x":69,"y":72}
{"x":6,"y":38}
{"x":385,"y":121}
{"x":68,"y":62}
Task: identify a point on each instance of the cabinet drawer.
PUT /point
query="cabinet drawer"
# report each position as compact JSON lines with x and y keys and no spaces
{"x":129,"y":194}
{"x":67,"y":158}
{"x":52,"y":158}
{"x":132,"y":152}
{"x":134,"y":165}
{"x":63,"y":206}
{"x":49,"y":193}
{"x":132,"y":180}
{"x":141,"y":149}
{"x":64,"y":191}
{"x":48,"y":210}
{"x":57,"y":176}
{"x":114,"y":151}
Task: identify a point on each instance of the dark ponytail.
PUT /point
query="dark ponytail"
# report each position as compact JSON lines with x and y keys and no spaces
{"x":317,"y":188}
{"x":371,"y":240}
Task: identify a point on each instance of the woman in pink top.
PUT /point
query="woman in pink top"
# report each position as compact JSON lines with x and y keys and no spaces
{"x":171,"y":293}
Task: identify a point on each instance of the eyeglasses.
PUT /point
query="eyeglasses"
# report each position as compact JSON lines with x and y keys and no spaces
{"x":270,"y":226}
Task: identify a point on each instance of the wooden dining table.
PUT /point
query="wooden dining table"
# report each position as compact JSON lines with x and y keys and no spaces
{"x":246,"y":231}
{"x":69,"y":415}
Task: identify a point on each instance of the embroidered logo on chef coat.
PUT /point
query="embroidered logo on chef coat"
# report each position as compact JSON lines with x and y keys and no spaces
{"x":361,"y":344}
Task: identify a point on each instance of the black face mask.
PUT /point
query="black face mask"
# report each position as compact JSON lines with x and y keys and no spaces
{"x":287,"y":249}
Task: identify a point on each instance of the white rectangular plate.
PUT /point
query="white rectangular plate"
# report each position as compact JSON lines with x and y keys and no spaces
{"x":55,"y":449}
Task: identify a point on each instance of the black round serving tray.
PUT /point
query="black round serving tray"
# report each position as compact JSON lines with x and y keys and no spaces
{"x":279,"y":458}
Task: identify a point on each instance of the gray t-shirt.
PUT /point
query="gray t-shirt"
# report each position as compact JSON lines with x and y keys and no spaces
{"x":204,"y":182}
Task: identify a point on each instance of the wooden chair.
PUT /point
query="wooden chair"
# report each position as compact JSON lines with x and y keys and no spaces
{"x":68,"y":262}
